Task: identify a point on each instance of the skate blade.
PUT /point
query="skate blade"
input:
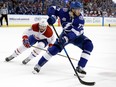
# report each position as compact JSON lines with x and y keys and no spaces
{"x":35,"y":72}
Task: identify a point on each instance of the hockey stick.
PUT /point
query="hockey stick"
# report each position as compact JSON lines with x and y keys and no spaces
{"x":81,"y":81}
{"x":57,"y":54}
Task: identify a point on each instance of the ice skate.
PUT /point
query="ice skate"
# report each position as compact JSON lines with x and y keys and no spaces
{"x":9,"y":58}
{"x":26,"y":60}
{"x":80,"y":72}
{"x":36,"y":69}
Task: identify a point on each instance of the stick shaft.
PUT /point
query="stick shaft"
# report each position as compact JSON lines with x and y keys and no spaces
{"x":81,"y":81}
{"x":57,"y":54}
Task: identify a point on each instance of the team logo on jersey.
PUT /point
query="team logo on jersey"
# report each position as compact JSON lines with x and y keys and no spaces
{"x":58,"y":9}
{"x":64,"y":19}
{"x":81,"y":17}
{"x":65,"y":9}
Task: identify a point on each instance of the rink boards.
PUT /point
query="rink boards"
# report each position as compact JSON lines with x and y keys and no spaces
{"x":28,"y":20}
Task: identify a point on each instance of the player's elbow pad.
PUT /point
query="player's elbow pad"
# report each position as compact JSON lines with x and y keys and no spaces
{"x":51,"y":11}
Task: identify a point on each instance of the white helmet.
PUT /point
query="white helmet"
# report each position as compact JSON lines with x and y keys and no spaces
{"x":43,"y":22}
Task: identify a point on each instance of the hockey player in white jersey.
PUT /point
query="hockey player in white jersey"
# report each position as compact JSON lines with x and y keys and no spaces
{"x":39,"y":33}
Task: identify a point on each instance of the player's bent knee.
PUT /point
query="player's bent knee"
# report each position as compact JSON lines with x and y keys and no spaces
{"x":53,"y":50}
{"x":88,"y":45}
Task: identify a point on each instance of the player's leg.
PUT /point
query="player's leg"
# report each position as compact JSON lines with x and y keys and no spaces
{"x":87,"y":49}
{"x":6,"y":19}
{"x":41,"y":44}
{"x":86,"y":45}
{"x":21,"y":49}
{"x":16,"y":52}
{"x":44,"y":59}
{"x":1,"y":20}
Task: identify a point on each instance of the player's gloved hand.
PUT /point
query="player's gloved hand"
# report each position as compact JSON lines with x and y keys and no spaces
{"x":51,"y":20}
{"x":63,"y":40}
{"x":26,"y":41}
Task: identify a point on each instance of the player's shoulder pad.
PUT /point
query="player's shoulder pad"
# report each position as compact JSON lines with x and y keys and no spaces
{"x":35,"y":27}
{"x":48,"y":33}
{"x":79,"y":20}
{"x":55,"y":8}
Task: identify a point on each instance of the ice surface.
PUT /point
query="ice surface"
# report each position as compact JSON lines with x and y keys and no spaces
{"x":58,"y":72}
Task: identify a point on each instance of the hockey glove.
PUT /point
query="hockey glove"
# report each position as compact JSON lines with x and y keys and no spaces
{"x":63,"y":40}
{"x":26,"y":41}
{"x":51,"y":20}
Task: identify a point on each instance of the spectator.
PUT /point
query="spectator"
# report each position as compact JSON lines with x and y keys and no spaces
{"x":4,"y":14}
{"x":34,"y":7}
{"x":0,"y":16}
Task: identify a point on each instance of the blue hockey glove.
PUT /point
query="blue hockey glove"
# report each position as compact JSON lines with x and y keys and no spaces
{"x":51,"y":20}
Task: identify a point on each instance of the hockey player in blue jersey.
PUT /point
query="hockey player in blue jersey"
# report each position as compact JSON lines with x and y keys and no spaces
{"x":73,"y":32}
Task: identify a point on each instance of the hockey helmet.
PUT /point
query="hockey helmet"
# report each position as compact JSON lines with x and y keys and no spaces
{"x":75,"y":5}
{"x":43,"y":22}
{"x":42,"y":25}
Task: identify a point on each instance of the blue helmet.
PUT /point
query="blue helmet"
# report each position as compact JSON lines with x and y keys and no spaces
{"x":75,"y":5}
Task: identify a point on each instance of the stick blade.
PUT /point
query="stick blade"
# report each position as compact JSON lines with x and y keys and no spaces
{"x":87,"y":83}
{"x":84,"y":82}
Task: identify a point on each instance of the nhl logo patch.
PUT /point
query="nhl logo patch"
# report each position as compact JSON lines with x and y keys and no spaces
{"x":81,"y":18}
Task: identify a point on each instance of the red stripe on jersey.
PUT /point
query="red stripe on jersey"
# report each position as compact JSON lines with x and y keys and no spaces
{"x":18,"y":51}
{"x":48,"y":33}
{"x":35,"y":52}
{"x":35,"y":27}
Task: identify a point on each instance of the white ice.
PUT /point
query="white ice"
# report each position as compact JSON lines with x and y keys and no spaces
{"x":58,"y":72}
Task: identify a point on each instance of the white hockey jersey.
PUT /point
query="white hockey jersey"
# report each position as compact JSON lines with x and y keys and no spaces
{"x":47,"y":34}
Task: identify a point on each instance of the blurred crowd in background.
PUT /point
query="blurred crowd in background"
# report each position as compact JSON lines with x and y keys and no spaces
{"x":91,"y":8}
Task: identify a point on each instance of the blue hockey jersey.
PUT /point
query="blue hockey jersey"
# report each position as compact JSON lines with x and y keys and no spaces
{"x":68,"y":23}
{"x":62,"y":13}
